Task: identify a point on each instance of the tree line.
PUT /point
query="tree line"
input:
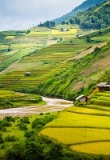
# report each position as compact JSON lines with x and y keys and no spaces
{"x":48,"y":24}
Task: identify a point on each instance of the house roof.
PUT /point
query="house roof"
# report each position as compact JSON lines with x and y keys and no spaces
{"x":80,"y":97}
{"x":103,"y":84}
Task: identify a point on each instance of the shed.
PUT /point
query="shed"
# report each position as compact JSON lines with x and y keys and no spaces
{"x":27,"y":74}
{"x":104,"y":86}
{"x":82,"y":98}
{"x":79,"y":35}
{"x":64,"y":29}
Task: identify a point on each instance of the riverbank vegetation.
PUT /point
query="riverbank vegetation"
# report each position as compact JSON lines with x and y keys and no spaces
{"x":11,"y":99}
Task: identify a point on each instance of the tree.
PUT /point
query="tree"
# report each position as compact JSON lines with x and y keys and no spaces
{"x":63,"y":22}
{"x":28,"y":31}
{"x":1,"y":139}
{"x":88,"y":39}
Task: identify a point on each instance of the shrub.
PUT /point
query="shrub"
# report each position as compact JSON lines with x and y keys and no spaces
{"x":22,"y":126}
{"x":9,"y":119}
{"x":4,"y":123}
{"x":10,"y":138}
{"x":28,"y":134}
{"x":6,"y":102}
{"x":40,"y":122}
{"x":15,"y":153}
{"x":25,"y":120}
{"x":1,"y":138}
{"x":41,"y":114}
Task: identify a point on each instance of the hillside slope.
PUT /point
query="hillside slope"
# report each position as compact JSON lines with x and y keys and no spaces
{"x":61,"y":70}
{"x":83,"y":7}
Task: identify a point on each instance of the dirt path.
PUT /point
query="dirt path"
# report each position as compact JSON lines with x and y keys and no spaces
{"x":52,"y":105}
{"x":88,"y":51}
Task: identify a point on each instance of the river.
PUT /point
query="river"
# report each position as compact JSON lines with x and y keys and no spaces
{"x":52,"y":105}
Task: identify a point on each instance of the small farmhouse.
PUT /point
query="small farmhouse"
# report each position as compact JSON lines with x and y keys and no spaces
{"x":64,"y":29}
{"x":79,"y":35}
{"x":82,"y":98}
{"x":27,"y":74}
{"x":104,"y":86}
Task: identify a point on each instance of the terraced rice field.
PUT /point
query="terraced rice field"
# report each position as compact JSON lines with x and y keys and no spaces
{"x":97,"y":148}
{"x":43,"y":64}
{"x":83,"y":129}
{"x":29,"y":53}
{"x":69,"y":33}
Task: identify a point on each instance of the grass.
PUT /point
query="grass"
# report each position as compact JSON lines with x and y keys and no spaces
{"x":16,"y":56}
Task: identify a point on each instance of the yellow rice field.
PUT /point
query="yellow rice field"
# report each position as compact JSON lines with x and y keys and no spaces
{"x":87,"y":111}
{"x":98,"y":148}
{"x":9,"y":37}
{"x":67,"y":119}
{"x":71,"y":136}
{"x":33,"y":33}
{"x":86,"y":131}
{"x":64,"y":33}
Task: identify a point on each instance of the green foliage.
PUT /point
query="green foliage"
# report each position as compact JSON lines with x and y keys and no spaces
{"x":6,"y":103}
{"x":19,"y":54}
{"x":22,"y":126}
{"x":106,"y":76}
{"x":15,"y":153}
{"x":28,"y":134}
{"x":94,"y":18}
{"x":25,"y":120}
{"x":28,"y":31}
{"x":39,"y":123}
{"x":48,"y":24}
{"x":5,"y":123}
{"x":9,"y":99}
{"x":35,"y":149}
{"x":61,"y":86}
{"x":9,"y":138}
{"x":88,"y":39}
{"x":1,"y":138}
{"x":9,"y":119}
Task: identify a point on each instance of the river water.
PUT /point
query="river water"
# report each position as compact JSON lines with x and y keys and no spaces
{"x":52,"y":105}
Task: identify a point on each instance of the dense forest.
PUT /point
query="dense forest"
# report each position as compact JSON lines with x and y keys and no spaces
{"x":94,"y":18}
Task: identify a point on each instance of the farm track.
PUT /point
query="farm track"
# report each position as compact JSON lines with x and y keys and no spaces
{"x":53,"y":105}
{"x":88,"y":51}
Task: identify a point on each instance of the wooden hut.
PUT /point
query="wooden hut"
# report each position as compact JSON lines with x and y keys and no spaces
{"x":27,"y":74}
{"x":104,"y":86}
{"x":82,"y":99}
